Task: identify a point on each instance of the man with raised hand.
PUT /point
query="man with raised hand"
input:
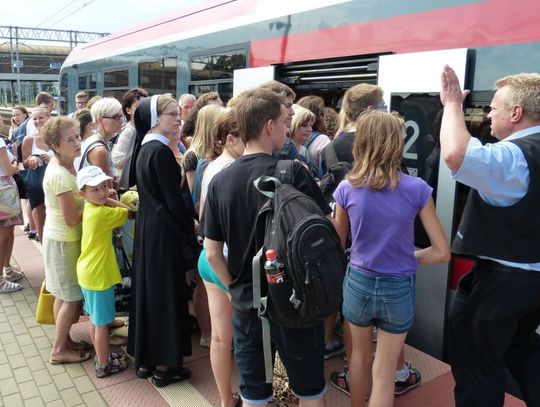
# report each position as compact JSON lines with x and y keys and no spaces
{"x":496,"y":313}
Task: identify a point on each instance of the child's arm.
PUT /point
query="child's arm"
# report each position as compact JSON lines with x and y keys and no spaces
{"x":439,"y":251}
{"x":116,"y":204}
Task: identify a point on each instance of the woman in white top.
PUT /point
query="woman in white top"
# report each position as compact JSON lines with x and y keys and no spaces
{"x":8,"y":167}
{"x":123,"y":149}
{"x":36,"y":155}
{"x":108,"y":116}
{"x":218,"y":300}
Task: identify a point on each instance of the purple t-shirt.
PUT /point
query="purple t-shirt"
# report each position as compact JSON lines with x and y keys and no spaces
{"x":382,"y":224}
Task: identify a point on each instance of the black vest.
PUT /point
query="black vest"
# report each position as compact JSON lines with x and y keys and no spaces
{"x":509,"y":233}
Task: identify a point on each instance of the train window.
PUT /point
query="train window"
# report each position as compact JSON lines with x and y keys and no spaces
{"x":87,"y":82}
{"x":62,"y":106}
{"x":225,"y":90}
{"x":116,"y":79}
{"x":217,"y":66}
{"x":159,"y":76}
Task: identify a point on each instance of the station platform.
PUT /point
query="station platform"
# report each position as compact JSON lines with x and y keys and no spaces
{"x":28,"y":379}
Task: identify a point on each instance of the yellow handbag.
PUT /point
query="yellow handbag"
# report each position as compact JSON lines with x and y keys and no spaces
{"x":45,"y":307}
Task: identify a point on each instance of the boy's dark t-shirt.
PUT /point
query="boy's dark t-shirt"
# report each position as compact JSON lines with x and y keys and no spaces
{"x":232,"y":206}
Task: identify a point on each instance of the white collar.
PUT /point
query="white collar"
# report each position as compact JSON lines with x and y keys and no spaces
{"x":155,"y":136}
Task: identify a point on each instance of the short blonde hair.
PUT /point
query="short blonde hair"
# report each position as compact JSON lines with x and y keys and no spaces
{"x":105,"y":107}
{"x":524,"y":91}
{"x":377,"y":150}
{"x":302,"y":117}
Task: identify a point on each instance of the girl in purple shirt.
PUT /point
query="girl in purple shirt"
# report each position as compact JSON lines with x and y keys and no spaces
{"x":380,"y":203}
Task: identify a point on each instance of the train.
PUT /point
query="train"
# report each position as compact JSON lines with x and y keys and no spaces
{"x":324,"y":47}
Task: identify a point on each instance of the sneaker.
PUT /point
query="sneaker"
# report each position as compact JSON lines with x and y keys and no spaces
{"x":31,"y":235}
{"x":335,"y":348}
{"x":414,"y":379}
{"x":26,"y":228}
{"x":339,"y":381}
{"x":114,"y":366}
{"x":7,"y":286}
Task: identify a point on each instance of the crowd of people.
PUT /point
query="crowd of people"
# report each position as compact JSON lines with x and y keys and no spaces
{"x":193,"y":163}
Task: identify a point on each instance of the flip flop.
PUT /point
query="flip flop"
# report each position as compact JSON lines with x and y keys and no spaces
{"x":81,"y":357}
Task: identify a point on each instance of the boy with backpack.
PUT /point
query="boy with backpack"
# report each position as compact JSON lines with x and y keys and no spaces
{"x":262,"y":121}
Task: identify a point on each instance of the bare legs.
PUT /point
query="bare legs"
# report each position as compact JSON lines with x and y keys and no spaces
{"x":6,"y":244}
{"x":360,"y":354}
{"x":100,"y":338}
{"x":38,"y":214}
{"x":220,"y":309}
{"x":65,"y":313}
{"x":200,"y":307}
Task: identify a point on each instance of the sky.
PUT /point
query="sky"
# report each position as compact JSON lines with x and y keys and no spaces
{"x":88,"y":15}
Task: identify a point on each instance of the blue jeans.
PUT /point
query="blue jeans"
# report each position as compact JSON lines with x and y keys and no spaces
{"x":384,"y":301}
{"x":301,"y":351}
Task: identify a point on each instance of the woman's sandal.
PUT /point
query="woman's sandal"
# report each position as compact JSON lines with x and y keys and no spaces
{"x":144,"y":372}
{"x":76,"y":357}
{"x":13,"y":274}
{"x":173,"y":375}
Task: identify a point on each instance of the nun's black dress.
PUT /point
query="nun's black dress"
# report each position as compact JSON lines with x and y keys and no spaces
{"x":159,"y":328}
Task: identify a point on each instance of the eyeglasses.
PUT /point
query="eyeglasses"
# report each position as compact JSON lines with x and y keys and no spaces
{"x":117,"y":117}
{"x":381,"y":106}
{"x":172,"y":114}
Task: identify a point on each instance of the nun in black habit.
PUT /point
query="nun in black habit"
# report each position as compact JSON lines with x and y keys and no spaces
{"x":159,"y":328}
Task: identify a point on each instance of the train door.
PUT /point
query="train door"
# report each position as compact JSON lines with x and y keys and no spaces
{"x":411,"y":84}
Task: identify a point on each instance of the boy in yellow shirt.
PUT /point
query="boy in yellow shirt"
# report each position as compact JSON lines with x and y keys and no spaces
{"x":97,"y":267}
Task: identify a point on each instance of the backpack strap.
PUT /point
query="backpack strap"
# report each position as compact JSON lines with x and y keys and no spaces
{"x":259,"y":303}
{"x":285,"y":171}
{"x":330,"y":156}
{"x":87,"y":150}
{"x":314,"y":134}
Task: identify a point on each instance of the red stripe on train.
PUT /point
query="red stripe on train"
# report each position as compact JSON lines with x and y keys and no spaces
{"x":471,"y":25}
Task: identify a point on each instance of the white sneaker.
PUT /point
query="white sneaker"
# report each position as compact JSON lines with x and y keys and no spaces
{"x":8,"y":286}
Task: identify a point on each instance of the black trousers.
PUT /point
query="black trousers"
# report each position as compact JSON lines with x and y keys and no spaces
{"x":492,"y":325}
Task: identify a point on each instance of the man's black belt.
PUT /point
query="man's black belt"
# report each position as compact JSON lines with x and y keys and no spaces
{"x":494,"y":266}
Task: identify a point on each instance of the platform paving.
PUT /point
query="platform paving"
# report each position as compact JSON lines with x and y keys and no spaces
{"x":28,"y":379}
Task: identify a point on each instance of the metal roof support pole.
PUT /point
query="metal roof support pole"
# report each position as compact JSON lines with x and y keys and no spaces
{"x":13,"y":96}
{"x":18,"y":63}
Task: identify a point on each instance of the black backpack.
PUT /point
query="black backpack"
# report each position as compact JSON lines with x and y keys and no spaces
{"x":308,"y":245}
{"x":335,"y":172}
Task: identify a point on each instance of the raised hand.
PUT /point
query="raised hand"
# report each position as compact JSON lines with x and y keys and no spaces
{"x":450,"y":87}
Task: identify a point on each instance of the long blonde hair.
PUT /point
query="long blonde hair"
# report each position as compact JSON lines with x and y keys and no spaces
{"x":205,"y":130}
{"x":377,"y":150}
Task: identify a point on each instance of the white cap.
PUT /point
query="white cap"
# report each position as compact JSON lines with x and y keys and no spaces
{"x":91,"y":176}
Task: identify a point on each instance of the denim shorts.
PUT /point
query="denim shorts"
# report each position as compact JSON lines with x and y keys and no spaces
{"x":384,"y":301}
{"x":301,"y":351}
